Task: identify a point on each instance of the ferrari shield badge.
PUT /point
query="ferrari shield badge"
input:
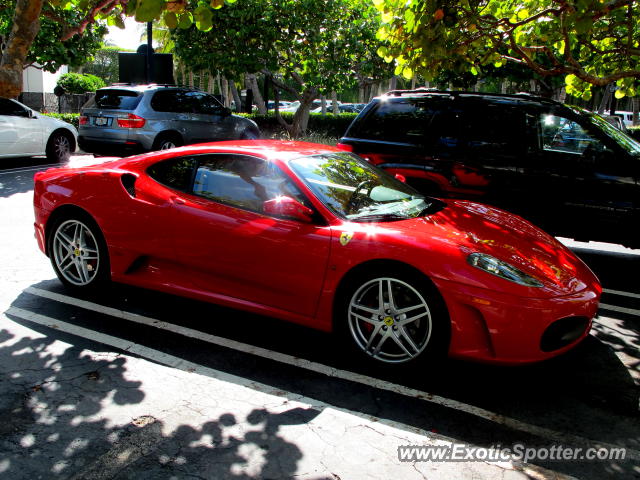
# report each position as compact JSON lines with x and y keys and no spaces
{"x":345,"y":238}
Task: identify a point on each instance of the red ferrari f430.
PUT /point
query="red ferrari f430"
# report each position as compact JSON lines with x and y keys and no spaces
{"x":317,"y":236}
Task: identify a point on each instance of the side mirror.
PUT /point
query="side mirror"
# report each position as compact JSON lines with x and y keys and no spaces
{"x":287,"y":207}
{"x":401,"y":177}
{"x":226,"y":112}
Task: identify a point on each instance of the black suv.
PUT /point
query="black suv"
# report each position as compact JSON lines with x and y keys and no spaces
{"x":564,"y":168}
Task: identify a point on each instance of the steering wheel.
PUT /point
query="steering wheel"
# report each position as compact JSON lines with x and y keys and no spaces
{"x":354,"y":201}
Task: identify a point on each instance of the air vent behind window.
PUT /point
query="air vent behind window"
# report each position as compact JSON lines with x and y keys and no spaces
{"x":129,"y":183}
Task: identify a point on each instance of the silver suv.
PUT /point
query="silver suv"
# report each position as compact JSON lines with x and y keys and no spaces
{"x":135,"y":118}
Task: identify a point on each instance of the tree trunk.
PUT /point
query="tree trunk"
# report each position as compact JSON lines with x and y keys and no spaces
{"x":191,"y":78}
{"x":393,"y":83}
{"x":361,"y":93}
{"x":301,"y":117}
{"x":635,"y":103}
{"x":211,"y":85}
{"x":323,"y":104}
{"x":334,"y":102}
{"x":224,"y":89}
{"x":26,"y":25}
{"x":252,"y":83}
{"x":236,"y":96}
{"x":606,"y":98}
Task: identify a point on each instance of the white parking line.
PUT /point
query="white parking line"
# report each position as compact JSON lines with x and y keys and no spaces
{"x":615,"y":308}
{"x":621,"y":293}
{"x":28,"y":169}
{"x":278,"y":357}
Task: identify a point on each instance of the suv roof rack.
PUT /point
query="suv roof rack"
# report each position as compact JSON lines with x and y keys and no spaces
{"x":455,"y":93}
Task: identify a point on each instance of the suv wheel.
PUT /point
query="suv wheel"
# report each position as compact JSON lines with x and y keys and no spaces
{"x":166,"y":141}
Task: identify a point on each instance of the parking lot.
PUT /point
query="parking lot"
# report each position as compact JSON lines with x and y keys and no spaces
{"x":130,"y":383}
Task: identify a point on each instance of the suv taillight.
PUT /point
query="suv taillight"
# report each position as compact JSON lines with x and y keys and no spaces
{"x":345,"y":147}
{"x":132,"y":121}
{"x":83,"y":120}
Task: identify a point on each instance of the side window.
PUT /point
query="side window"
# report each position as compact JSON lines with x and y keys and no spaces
{"x":164,"y":101}
{"x":208,"y":104}
{"x":176,"y":101}
{"x":7,"y":107}
{"x":494,"y":130}
{"x":242,"y":181}
{"x":428,"y":122}
{"x":560,"y":134}
{"x":175,"y":173}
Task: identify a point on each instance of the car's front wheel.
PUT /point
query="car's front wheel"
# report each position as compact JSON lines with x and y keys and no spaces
{"x":59,"y":147}
{"x":395,"y":318}
{"x":78,"y":252}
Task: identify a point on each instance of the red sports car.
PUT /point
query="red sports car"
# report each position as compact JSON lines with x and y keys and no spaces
{"x":317,"y":236}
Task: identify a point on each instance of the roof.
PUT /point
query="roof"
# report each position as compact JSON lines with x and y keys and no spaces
{"x":429,"y":92}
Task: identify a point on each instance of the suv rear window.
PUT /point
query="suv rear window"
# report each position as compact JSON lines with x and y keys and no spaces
{"x":115,"y":100}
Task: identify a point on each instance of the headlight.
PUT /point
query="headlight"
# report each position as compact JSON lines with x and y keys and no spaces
{"x":501,"y":269}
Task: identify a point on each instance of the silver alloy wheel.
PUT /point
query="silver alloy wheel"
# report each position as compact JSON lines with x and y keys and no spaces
{"x":390,"y":320}
{"x":167,"y":144}
{"x":61,"y":147}
{"x":76,"y":253}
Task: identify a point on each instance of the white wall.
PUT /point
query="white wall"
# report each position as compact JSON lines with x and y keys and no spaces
{"x":36,"y":80}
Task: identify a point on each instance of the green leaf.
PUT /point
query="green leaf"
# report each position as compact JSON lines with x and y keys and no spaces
{"x":148,"y":10}
{"x":170,"y":20}
{"x":185,"y":20}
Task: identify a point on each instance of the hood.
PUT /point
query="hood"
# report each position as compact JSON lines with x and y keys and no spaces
{"x":474,"y":227}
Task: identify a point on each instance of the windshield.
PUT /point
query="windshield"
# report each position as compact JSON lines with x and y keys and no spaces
{"x":621,"y":138}
{"x":358,"y":191}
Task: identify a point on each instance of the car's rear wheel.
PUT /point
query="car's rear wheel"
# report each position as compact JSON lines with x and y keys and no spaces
{"x":167,"y":141}
{"x":78,"y":252}
{"x":396,"y":318}
{"x":59,"y":147}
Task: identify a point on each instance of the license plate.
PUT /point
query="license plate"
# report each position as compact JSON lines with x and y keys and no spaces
{"x":101,"y":121}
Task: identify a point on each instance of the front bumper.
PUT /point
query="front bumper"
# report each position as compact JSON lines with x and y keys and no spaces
{"x":499,"y":328}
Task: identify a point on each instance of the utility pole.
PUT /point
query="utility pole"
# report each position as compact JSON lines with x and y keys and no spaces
{"x":149,"y":51}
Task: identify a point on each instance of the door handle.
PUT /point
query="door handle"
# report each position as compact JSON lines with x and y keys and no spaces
{"x":177,"y":200}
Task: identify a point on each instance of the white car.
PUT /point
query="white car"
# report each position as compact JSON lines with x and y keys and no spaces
{"x":25,"y":133}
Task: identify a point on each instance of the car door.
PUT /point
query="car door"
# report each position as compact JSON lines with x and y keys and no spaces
{"x":583,"y":183}
{"x":20,"y":132}
{"x":235,"y":250}
{"x":202,"y":117}
{"x":494,"y":140}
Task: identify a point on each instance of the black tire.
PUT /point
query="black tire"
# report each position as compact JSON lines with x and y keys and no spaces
{"x":249,"y":134}
{"x":78,"y":252}
{"x":59,"y":147}
{"x":166,"y":141}
{"x":385,"y":334}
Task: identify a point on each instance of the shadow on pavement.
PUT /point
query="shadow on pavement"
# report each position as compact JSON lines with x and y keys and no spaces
{"x":587,"y":393}
{"x":54,"y":404}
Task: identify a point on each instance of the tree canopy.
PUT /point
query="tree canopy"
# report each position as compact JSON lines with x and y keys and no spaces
{"x":589,"y":42}
{"x":78,"y":22}
{"x":321,"y":45}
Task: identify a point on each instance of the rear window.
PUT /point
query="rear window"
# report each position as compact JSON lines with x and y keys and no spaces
{"x":415,"y":121}
{"x":115,"y":100}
